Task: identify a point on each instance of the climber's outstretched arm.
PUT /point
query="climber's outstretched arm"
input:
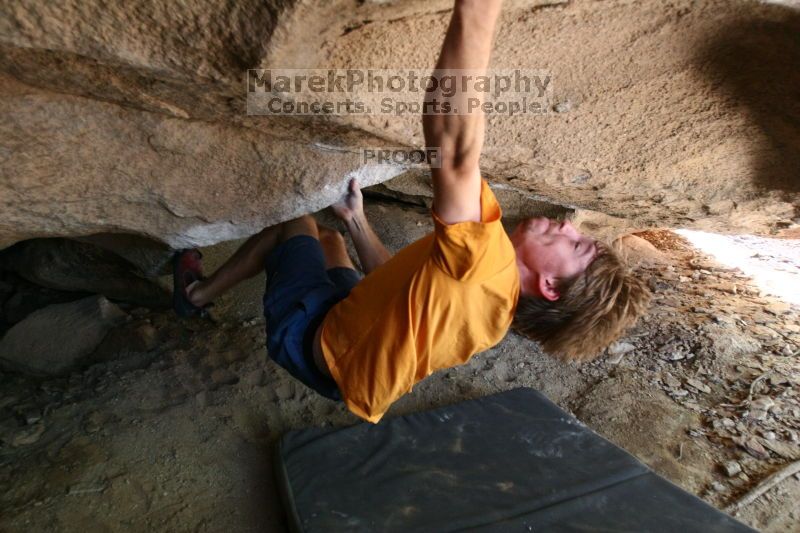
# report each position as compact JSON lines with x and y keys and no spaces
{"x":371,"y":251}
{"x":459,"y":136}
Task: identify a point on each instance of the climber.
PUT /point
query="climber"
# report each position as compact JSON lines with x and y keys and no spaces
{"x":440,"y":300}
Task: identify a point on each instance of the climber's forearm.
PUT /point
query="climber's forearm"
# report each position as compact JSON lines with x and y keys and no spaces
{"x":371,"y":251}
{"x":467,"y":46}
{"x":459,"y":132}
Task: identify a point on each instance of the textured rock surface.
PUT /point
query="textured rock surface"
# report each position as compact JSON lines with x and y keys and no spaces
{"x":53,"y":340}
{"x":77,"y":166}
{"x":212,"y":39}
{"x":24,"y":298}
{"x":129,"y":118}
{"x":152,"y":258}
{"x":67,"y":265}
{"x":668,"y":120}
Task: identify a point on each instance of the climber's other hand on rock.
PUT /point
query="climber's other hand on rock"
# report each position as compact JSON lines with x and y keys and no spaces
{"x":352,"y":204}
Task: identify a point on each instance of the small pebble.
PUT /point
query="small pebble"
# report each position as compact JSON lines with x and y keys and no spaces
{"x":671,"y":381}
{"x":777,"y":308}
{"x":620,"y":348}
{"x":28,"y":435}
{"x":202,"y":398}
{"x":675,"y":356}
{"x":563,"y":107}
{"x":699,"y":385}
{"x":760,"y":407}
{"x":732,"y":468}
{"x":148,"y":335}
{"x":32,"y":416}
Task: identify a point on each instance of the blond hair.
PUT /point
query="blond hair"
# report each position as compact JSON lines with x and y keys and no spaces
{"x":594,"y":308}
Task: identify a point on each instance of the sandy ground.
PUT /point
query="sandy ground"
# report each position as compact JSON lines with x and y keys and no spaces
{"x":174,"y":431}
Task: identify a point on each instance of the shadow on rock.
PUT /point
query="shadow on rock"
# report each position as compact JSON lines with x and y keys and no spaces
{"x":755,"y":61}
{"x":67,"y":265}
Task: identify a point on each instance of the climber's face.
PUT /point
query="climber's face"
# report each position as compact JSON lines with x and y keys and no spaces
{"x":548,"y":251}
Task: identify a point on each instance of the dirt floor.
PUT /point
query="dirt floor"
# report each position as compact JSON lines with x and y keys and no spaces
{"x":174,"y":430}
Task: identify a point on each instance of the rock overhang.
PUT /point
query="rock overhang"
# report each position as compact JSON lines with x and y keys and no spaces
{"x":102,"y":135}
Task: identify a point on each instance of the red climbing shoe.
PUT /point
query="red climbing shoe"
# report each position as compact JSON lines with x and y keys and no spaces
{"x":187,"y":267}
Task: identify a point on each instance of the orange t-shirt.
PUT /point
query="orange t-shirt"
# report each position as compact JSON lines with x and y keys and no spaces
{"x":433,"y":305}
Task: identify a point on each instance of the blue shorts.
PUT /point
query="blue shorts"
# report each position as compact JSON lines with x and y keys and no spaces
{"x":300,"y":291}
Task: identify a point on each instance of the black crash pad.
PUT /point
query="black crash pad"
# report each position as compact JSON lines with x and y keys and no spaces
{"x":512,"y":461}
